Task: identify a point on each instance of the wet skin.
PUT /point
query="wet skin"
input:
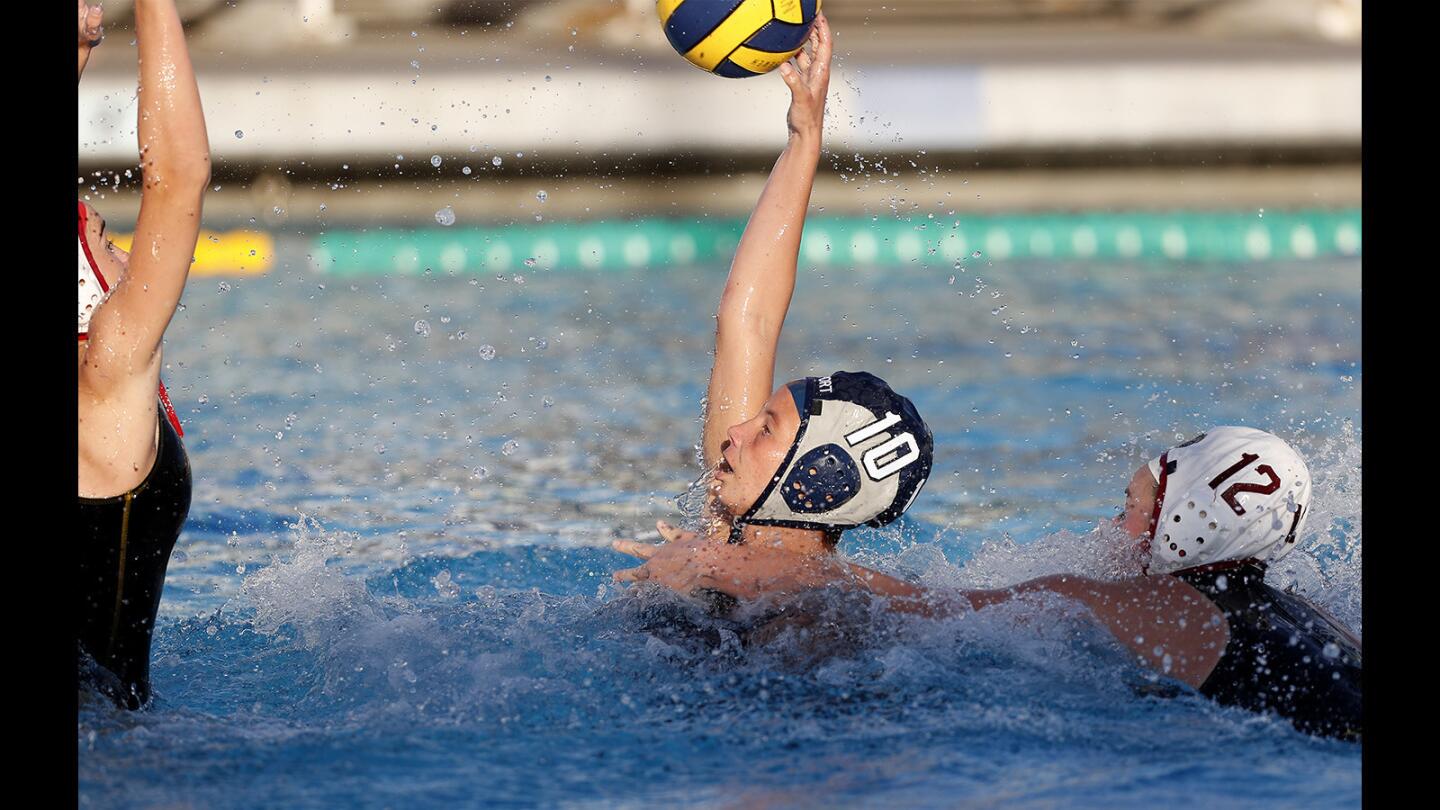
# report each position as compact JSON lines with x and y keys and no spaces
{"x":118,"y":445}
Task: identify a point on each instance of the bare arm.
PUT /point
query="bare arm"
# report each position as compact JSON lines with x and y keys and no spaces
{"x":762,"y":276}
{"x":1168,"y":625}
{"x":126,"y":332}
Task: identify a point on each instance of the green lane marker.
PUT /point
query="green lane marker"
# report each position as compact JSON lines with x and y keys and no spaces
{"x":1189,"y":236}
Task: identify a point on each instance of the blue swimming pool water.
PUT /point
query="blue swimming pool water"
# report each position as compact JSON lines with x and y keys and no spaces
{"x":394,"y":587}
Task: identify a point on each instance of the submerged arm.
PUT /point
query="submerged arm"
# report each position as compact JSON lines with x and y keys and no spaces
{"x":175,"y":161}
{"x":762,"y":276}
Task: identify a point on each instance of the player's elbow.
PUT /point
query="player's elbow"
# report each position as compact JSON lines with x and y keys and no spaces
{"x":185,"y":173}
{"x":740,"y":322}
{"x":191,"y":171}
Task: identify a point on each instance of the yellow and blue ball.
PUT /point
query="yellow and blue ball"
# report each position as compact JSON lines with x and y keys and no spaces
{"x":737,"y":38}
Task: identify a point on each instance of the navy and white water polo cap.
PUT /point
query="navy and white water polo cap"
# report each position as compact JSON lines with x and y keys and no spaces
{"x":860,"y":457}
{"x":1231,"y":493}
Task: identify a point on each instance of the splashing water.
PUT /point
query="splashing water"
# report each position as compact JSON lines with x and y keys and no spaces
{"x":444,"y":627}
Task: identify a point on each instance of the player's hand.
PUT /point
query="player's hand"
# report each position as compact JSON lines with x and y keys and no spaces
{"x":743,"y":571}
{"x":808,"y":77}
{"x":91,"y":31}
{"x":668,"y":534}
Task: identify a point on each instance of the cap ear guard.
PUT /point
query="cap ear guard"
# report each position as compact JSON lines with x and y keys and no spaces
{"x":823,"y":479}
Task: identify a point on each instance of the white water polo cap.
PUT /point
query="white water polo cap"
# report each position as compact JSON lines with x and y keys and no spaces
{"x":860,"y":457}
{"x":1231,"y":493}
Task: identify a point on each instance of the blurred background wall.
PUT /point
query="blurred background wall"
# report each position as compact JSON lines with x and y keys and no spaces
{"x":333,"y":111}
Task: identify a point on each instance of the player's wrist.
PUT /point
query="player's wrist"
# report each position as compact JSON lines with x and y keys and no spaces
{"x":805,"y":139}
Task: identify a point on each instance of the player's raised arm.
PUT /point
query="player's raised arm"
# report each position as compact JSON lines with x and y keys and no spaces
{"x":762,"y":276}
{"x":126,"y":332}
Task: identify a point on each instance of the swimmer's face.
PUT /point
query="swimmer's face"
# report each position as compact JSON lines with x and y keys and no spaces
{"x":112,"y":260}
{"x":1139,"y":507}
{"x":754,"y":450}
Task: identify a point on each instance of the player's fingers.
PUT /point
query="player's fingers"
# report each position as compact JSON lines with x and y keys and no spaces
{"x":670,"y":533}
{"x":632,"y":574}
{"x":635,"y":548}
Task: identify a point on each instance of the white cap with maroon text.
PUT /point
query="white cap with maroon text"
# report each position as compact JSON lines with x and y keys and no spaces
{"x":1231,"y":493}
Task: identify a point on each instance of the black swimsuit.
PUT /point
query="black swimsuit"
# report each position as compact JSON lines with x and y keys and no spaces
{"x":124,"y":547}
{"x":1283,"y":656}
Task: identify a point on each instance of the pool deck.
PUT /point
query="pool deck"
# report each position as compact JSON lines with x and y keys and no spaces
{"x":610,"y":122}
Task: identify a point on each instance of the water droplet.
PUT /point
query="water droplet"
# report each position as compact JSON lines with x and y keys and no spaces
{"x":239,"y":133}
{"x":529,"y":262}
{"x":202,"y":399}
{"x":479,"y":473}
{"x":445,"y":216}
{"x":444,"y":586}
{"x":495,"y":160}
{"x":975,"y":255}
{"x":547,"y":402}
{"x":541,"y":195}
{"x":1330,"y":650}
{"x":487,"y":352}
{"x":465,"y":171}
{"x":435,"y":161}
{"x":422,"y":328}
{"x":223,"y":286}
{"x":510,"y":447}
